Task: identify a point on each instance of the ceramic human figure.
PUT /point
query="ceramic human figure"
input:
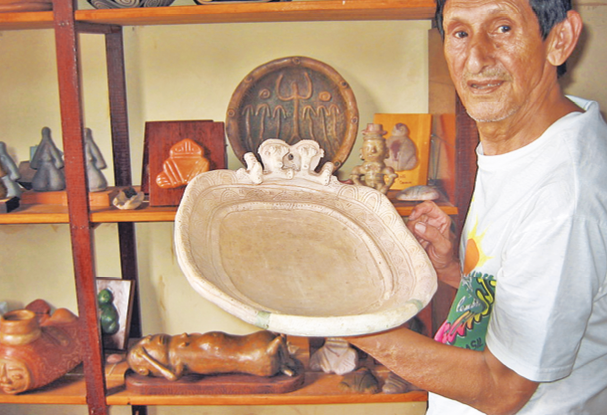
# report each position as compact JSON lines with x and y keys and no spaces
{"x":261,"y":353}
{"x":402,"y":150}
{"x":11,"y":173}
{"x":94,"y":164}
{"x":48,"y":163}
{"x":374,"y":172}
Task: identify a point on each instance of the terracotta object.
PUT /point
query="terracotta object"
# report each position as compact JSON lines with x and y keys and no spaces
{"x":186,"y":161}
{"x":374,"y":172}
{"x":297,"y":252}
{"x":292,"y":99}
{"x":260,"y":354}
{"x":37,"y":349}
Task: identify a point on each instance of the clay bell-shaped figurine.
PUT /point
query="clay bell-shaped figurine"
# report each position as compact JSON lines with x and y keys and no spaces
{"x":374,"y":172}
{"x":94,"y":164}
{"x":36,"y":350}
{"x":10,"y":173}
{"x":48,"y":163}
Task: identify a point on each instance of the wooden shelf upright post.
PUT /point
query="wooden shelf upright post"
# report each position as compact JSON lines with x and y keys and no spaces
{"x":81,"y":230}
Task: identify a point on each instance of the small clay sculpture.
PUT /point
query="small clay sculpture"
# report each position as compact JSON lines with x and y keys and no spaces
{"x":360,"y":381}
{"x":261,"y":353}
{"x":108,"y":314}
{"x":128,"y":199}
{"x":402,"y":150}
{"x":335,"y":356}
{"x":395,"y":384}
{"x":420,"y":192}
{"x":94,"y":164}
{"x":10,"y":173}
{"x":37,"y":348}
{"x":374,"y":172}
{"x":48,"y":163}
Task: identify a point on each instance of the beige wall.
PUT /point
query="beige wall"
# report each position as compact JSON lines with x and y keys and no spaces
{"x":190,"y":72}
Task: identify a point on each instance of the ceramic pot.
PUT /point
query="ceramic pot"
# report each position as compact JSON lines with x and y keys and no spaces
{"x":34,"y":353}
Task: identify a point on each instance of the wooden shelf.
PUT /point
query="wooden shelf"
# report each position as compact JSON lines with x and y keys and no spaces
{"x":41,"y":214}
{"x":294,"y":11}
{"x":38,"y":214}
{"x":318,"y":388}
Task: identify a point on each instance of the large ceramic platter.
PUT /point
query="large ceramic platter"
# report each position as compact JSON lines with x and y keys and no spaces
{"x":292,"y":99}
{"x":297,"y":252}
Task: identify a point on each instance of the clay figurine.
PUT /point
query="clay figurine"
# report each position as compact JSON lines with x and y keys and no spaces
{"x":360,"y":381}
{"x":374,"y":172}
{"x":108,"y":314}
{"x":94,"y":164}
{"x":261,"y":353}
{"x":335,"y":356}
{"x":36,"y":349}
{"x":186,"y":161}
{"x":48,"y":163}
{"x":421,"y":192}
{"x":11,"y":173}
{"x":402,"y":150}
{"x":128,"y":199}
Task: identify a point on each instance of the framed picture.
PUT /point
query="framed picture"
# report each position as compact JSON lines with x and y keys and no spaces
{"x":115,"y":306}
{"x":408,"y":137}
{"x":174,"y":152}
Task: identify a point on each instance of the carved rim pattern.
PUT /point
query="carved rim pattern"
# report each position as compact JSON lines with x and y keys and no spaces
{"x":334,"y":106}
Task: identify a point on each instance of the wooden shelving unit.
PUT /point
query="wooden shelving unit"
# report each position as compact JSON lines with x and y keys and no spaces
{"x":94,"y":385}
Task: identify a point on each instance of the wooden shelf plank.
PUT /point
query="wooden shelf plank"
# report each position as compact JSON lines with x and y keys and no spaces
{"x":46,"y":213}
{"x":327,"y":10}
{"x":294,"y":11}
{"x":26,"y":20}
{"x":40,"y":214}
{"x":318,"y":388}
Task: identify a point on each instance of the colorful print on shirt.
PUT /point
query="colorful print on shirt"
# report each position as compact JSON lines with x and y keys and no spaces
{"x":468,"y":319}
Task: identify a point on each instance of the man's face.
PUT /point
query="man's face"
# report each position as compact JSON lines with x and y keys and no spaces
{"x":496,"y":56}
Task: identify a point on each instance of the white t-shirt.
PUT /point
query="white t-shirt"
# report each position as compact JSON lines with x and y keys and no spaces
{"x":535,"y":253}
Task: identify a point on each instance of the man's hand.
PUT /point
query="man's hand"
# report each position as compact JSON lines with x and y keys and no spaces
{"x":432,"y":228}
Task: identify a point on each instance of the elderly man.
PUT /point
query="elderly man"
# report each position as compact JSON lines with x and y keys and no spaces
{"x":527,"y":332}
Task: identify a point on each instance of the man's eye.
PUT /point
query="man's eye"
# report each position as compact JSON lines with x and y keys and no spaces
{"x":460,"y":34}
{"x":504,"y":29}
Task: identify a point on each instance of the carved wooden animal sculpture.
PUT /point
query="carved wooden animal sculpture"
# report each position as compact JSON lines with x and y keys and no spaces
{"x":261,"y":353}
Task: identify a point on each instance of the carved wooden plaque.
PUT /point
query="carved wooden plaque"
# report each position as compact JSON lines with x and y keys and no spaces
{"x":293,"y":99}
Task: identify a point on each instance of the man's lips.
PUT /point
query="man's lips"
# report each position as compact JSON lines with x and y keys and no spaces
{"x":484,"y":86}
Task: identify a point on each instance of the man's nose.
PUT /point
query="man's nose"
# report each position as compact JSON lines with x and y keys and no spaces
{"x":480,"y":53}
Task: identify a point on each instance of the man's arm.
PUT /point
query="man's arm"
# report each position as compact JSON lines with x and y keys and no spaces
{"x":475,"y":378}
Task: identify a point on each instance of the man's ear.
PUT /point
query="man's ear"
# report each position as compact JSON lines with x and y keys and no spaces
{"x":563,"y":38}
